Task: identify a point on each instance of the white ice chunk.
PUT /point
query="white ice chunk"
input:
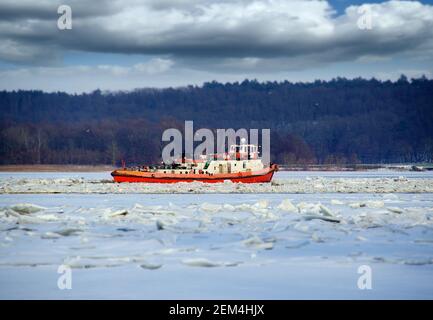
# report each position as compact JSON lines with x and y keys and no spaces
{"x":318,"y":216}
{"x":262,"y":204}
{"x":390,"y":196}
{"x":150,"y":266}
{"x":117,"y":213}
{"x":336,"y":202}
{"x":374,"y":204}
{"x":50,"y":235}
{"x":369,"y":204}
{"x":287,"y":205}
{"x":356,"y":205}
{"x":316,"y":238}
{"x":326,"y":211}
{"x":48,"y":217}
{"x":210,"y":207}
{"x":395,"y":209}
{"x":243,"y":207}
{"x":257,"y":243}
{"x":26,"y":208}
{"x":305,"y":207}
{"x":229,"y":207}
{"x":203,"y":262}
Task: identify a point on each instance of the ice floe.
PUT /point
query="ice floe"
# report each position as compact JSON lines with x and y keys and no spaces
{"x":257,"y":243}
{"x":388,"y":186}
{"x":156,"y":233}
{"x":150,"y":266}
{"x":286,"y":205}
{"x":26,"y":208}
{"x":336,"y":202}
{"x":203,"y":262}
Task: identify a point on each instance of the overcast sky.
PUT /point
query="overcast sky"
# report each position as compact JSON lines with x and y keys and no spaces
{"x":127,"y":44}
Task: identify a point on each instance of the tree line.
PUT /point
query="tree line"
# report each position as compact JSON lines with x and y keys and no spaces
{"x":339,"y":121}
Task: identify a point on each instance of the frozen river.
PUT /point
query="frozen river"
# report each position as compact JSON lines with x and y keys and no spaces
{"x":384,"y":173}
{"x":284,"y":182}
{"x":271,"y":245}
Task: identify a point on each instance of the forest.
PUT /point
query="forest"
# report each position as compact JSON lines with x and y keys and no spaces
{"x":340,"y":121}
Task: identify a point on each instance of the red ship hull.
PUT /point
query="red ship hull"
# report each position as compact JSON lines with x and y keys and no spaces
{"x":261,"y":176}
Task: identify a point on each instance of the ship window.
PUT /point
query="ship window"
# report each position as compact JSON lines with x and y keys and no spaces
{"x":245,"y":165}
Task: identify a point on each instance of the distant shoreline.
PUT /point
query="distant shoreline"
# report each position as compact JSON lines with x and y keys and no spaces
{"x":357,"y":167}
{"x":54,"y":168}
{"x":104,"y":168}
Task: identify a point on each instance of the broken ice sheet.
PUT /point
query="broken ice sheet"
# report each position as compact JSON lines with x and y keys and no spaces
{"x":284,"y":182}
{"x":208,"y":232}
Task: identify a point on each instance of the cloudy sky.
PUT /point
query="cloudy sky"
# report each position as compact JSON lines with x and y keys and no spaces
{"x":127,"y":44}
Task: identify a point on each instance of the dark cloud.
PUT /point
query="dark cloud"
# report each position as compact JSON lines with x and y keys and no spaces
{"x":209,"y":34}
{"x":47,"y":10}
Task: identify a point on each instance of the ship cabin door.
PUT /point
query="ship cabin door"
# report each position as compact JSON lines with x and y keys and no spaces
{"x":220,"y":168}
{"x":229,"y":167}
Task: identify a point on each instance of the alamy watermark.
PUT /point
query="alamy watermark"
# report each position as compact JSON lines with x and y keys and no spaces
{"x":64,"y":22}
{"x":65,"y":279}
{"x":187,"y":145}
{"x":365,"y":278}
{"x":365,"y":21}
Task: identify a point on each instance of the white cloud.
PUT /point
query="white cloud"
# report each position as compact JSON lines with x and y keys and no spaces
{"x":154,"y":66}
{"x":229,"y":29}
{"x":226,"y":39}
{"x":87,"y":78}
